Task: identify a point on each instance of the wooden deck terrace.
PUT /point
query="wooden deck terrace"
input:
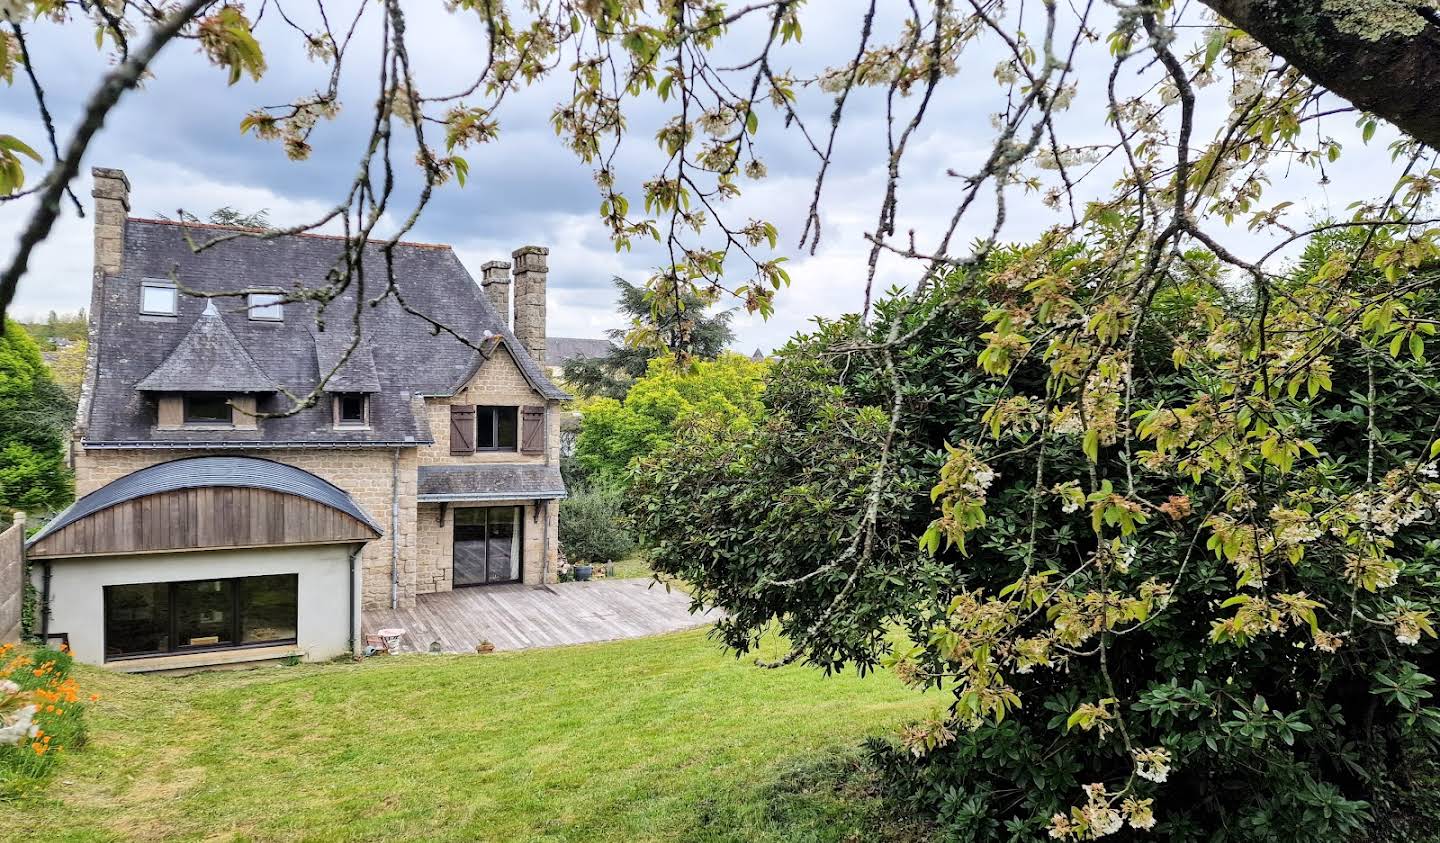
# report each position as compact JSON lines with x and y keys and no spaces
{"x":518,"y":617}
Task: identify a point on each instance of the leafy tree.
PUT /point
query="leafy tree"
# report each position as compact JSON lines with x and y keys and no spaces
{"x":688,"y":332}
{"x":68,"y":368}
{"x":591,"y":528}
{"x":58,"y":326}
{"x":34,"y":417}
{"x":613,"y":433}
{"x":1142,"y":129}
{"x":226,"y":215}
{"x":1223,"y":620}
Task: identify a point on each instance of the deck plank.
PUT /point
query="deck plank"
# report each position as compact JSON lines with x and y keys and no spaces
{"x":518,"y":617}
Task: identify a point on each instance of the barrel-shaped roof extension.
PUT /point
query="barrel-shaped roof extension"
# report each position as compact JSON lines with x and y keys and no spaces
{"x":205,"y":472}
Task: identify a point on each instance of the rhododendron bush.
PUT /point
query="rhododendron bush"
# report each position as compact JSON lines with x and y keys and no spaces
{"x":1176,"y":571}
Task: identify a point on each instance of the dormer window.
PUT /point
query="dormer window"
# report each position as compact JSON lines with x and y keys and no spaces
{"x":266,"y":307}
{"x":157,"y":298}
{"x":352,"y":409}
{"x":207,"y":409}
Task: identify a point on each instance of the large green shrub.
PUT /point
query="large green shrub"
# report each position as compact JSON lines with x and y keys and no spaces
{"x":1228,"y":638}
{"x":35,"y":414}
{"x":613,"y":433}
{"x":591,"y":528}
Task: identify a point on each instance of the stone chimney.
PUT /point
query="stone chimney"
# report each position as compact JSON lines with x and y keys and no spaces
{"x":530,"y":271}
{"x":496,"y":283}
{"x":112,"y":205}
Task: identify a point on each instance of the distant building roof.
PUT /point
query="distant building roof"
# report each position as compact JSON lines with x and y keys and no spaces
{"x":758,"y":355}
{"x":208,"y":359}
{"x":560,"y":349}
{"x":497,"y":481}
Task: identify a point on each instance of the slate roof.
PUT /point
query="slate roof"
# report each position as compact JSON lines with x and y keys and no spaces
{"x":560,"y":349}
{"x":406,"y":356}
{"x":493,"y":481}
{"x":203,"y":472}
{"x":208,"y":359}
{"x":357,"y":373}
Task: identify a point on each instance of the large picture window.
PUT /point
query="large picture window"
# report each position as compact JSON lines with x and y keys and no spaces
{"x":158,"y":618}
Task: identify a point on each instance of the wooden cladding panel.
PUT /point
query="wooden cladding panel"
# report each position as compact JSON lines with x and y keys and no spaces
{"x":203,"y":519}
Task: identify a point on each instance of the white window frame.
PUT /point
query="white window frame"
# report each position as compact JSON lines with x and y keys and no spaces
{"x":150,"y":284}
{"x":271,"y":299}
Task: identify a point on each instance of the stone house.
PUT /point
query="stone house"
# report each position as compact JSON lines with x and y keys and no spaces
{"x":217,"y":520}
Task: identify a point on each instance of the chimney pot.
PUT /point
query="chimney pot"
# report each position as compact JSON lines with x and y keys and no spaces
{"x":111,"y":192}
{"x":495,"y":280}
{"x":530,"y":273}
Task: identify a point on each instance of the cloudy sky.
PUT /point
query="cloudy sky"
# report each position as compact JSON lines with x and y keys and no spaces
{"x":178,"y":140}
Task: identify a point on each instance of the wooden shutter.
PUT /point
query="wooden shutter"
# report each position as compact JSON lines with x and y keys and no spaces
{"x":532,"y":430}
{"x":462,"y":428}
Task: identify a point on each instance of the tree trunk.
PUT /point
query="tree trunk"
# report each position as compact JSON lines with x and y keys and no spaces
{"x":1385,"y":60}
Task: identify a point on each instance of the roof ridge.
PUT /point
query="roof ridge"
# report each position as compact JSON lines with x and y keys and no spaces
{"x":214,"y":226}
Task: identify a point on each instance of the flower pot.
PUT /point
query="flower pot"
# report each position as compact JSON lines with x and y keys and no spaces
{"x":582,"y":572}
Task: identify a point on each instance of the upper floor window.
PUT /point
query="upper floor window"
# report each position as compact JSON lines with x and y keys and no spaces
{"x":157,"y":298}
{"x":266,"y":307}
{"x":352,"y":409}
{"x":208,"y":409}
{"x":495,"y":428}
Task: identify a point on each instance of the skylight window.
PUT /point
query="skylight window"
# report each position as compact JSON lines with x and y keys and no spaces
{"x":266,"y":307}
{"x":157,"y":298}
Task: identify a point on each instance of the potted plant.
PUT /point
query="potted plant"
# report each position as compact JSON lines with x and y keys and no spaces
{"x":583,"y":572}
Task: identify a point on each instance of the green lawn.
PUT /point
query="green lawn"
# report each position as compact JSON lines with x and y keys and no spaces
{"x":660,"y":738}
{"x":635,"y":565}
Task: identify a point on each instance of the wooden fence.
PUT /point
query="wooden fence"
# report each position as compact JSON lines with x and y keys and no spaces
{"x":12,"y":578}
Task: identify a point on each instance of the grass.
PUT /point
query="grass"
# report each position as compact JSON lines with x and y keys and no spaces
{"x":633,"y":566}
{"x":663,"y":738}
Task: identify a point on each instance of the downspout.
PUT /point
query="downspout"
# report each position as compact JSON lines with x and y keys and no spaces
{"x":44,"y":601}
{"x":395,"y":530}
{"x":354,"y":613}
{"x":545,"y":544}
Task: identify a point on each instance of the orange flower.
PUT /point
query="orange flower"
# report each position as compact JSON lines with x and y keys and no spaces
{"x":39,"y":748}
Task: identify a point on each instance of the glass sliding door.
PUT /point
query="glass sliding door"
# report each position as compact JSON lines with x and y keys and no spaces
{"x":487,"y":545}
{"x":469,"y":547}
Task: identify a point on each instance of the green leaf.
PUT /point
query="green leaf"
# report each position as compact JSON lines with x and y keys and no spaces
{"x":14,"y":144}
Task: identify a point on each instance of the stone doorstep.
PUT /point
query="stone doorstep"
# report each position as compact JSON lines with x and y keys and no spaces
{"x":208,"y":660}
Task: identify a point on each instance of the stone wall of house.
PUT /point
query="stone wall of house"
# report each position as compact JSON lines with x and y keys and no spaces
{"x":498,"y":383}
{"x":12,"y":579}
{"x":435,"y":539}
{"x":366,"y":474}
